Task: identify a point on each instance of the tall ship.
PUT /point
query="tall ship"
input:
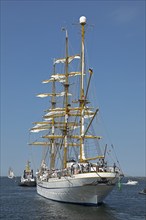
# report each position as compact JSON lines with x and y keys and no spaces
{"x":74,"y":167}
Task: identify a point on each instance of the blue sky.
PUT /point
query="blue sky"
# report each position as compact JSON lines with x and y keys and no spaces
{"x":31,"y":37}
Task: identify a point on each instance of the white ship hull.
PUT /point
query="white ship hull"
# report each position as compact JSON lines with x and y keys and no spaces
{"x":86,"y":189}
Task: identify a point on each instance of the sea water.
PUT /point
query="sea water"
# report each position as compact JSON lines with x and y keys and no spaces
{"x":18,"y":203}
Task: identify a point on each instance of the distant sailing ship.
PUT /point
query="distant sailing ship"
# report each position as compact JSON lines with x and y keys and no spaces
{"x":28,"y":179}
{"x":11,"y":174}
{"x":72,"y":170}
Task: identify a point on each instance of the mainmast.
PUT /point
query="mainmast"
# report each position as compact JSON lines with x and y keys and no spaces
{"x":82,"y":98}
{"x":66,"y":86}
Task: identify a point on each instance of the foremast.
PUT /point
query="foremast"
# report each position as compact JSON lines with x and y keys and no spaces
{"x":53,"y":102}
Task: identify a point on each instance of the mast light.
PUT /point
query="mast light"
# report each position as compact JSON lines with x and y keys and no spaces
{"x":82,"y":20}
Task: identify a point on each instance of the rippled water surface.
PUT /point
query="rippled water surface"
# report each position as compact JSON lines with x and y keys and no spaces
{"x":23,"y":203}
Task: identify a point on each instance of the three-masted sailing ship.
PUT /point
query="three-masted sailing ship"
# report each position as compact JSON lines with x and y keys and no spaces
{"x":71,"y":170}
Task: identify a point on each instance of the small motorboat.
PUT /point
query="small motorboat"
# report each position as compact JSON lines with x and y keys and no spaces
{"x":143,"y":191}
{"x":27,"y":179}
{"x":131,"y":182}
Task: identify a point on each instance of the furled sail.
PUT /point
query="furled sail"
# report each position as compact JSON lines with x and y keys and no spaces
{"x":60,"y":77}
{"x":70,"y":58}
{"x":44,"y":95}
